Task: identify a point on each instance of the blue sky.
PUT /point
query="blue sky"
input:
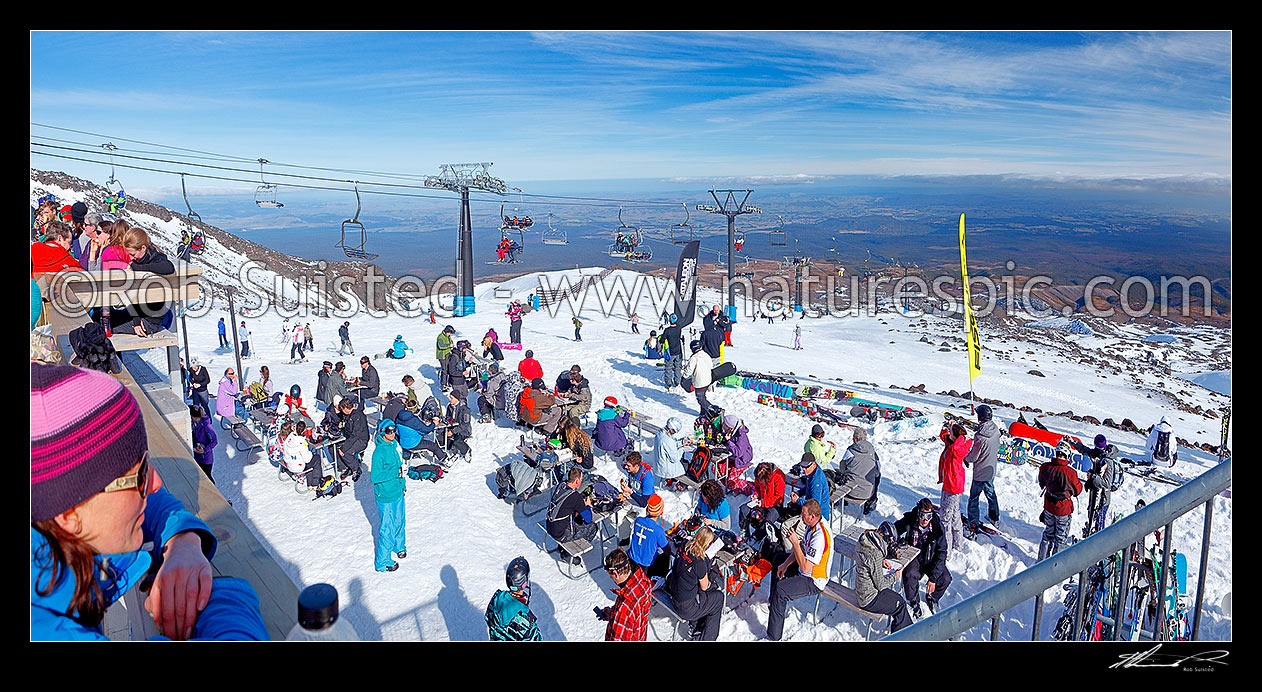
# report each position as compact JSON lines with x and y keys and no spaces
{"x":664,"y":105}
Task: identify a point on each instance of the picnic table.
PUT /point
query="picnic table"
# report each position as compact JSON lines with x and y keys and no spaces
{"x":846,"y":545}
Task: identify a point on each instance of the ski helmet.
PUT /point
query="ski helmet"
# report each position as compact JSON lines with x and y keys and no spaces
{"x":295,"y":392}
{"x":694,"y":345}
{"x":888,"y":533}
{"x":673,"y":319}
{"x":984,"y":413}
{"x":674,"y":424}
{"x":1063,"y":449}
{"x":517,"y":574}
{"x":611,"y":401}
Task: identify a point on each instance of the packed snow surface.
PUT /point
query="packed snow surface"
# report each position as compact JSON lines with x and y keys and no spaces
{"x":460,"y":537}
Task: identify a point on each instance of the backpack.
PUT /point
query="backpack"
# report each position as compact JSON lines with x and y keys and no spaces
{"x":699,"y":466}
{"x":430,"y":410}
{"x":1162,"y":450}
{"x":517,"y":481}
{"x":256,"y":391}
{"x":429,"y":472}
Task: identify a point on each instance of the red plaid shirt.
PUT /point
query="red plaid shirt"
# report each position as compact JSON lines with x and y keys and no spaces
{"x":629,"y":618}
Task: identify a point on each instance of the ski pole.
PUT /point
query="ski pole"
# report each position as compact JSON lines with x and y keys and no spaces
{"x":1123,"y":590}
{"x":1159,"y":631}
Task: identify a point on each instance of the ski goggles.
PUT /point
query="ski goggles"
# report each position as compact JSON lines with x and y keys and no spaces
{"x":388,"y":430}
{"x":138,"y":480}
{"x":925,"y":516}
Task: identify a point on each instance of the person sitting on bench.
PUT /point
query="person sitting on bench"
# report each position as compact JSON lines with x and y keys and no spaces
{"x":636,"y":488}
{"x":570,"y":514}
{"x":861,"y":464}
{"x":412,"y":432}
{"x":872,"y":584}
{"x":764,"y":506}
{"x":650,"y":546}
{"x":609,"y":437}
{"x":577,"y":442}
{"x":460,"y":425}
{"x":695,"y":587}
{"x":488,"y":391}
{"x":668,"y":453}
{"x":539,"y":408}
{"x":355,"y":429}
{"x":921,"y":528}
{"x":713,"y":506}
{"x":802,"y":572}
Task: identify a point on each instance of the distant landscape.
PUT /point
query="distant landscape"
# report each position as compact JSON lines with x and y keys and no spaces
{"x":1070,"y":230}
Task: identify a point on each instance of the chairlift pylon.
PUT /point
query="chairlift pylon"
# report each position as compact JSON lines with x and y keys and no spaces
{"x":355,"y":251}
{"x":552,"y":235}
{"x":265,"y":194}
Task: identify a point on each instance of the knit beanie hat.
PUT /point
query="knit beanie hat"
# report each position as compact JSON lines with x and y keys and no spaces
{"x":78,"y":211}
{"x":655,"y":505}
{"x":86,"y":430}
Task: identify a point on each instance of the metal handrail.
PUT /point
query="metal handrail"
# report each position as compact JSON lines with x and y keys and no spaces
{"x":1032,"y":582}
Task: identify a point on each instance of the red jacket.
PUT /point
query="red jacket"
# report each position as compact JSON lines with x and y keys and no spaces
{"x":629,"y":617}
{"x":951,"y":465}
{"x":1060,"y":480}
{"x":49,"y":257}
{"x":530,"y":369}
{"x":771,"y":491}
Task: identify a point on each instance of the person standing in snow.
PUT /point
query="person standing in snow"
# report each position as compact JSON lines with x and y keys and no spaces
{"x":199,"y":384}
{"x":508,"y":616}
{"x":445,"y":344}
{"x":223,"y":333}
{"x":698,"y":371}
{"x":797,"y":337}
{"x":204,"y":440}
{"x":1161,"y":444}
{"x":515,"y":312}
{"x":307,"y":341}
{"x":1060,"y":485}
{"x":635,"y":323}
{"x":388,"y":487}
{"x":951,"y":476}
{"x":296,"y":348}
{"x":675,"y":356}
{"x":578,"y":328}
{"x":1099,"y":481}
{"x":344,"y":333}
{"x":243,"y":335}
{"x":985,"y":454}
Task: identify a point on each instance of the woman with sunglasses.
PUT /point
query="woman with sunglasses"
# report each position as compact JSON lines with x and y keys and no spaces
{"x":95,"y":501}
{"x":388,"y":487}
{"x":95,"y":238}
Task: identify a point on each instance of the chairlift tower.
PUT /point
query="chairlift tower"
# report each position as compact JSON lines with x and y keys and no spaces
{"x":730,"y":208}
{"x":460,"y":178}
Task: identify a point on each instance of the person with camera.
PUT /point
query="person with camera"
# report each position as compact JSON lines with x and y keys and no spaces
{"x":668,"y":451}
{"x":872,"y":585}
{"x":508,"y":616}
{"x":628,"y":617}
{"x":811,"y":484}
{"x":570,"y":513}
{"x":695,"y":587}
{"x":922,"y":529}
{"x":802,"y":572}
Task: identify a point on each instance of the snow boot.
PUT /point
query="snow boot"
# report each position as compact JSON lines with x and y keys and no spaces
{"x":393,"y":566}
{"x":401,"y":554}
{"x":915,"y":609}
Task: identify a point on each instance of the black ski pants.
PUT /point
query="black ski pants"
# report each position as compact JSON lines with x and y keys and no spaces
{"x":939,"y":575}
{"x":888,"y":601}
{"x":705,"y":613}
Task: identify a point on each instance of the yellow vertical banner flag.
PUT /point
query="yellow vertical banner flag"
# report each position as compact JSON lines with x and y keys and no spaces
{"x":970,"y":320}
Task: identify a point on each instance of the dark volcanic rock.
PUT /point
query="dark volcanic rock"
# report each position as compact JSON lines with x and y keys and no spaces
{"x":1036,"y":373}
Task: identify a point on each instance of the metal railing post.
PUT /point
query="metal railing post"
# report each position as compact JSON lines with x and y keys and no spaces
{"x":994,"y":628}
{"x":1200,"y":582}
{"x":1123,"y":581}
{"x":1081,"y":607}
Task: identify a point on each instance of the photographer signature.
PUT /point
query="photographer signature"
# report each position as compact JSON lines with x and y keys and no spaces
{"x":1150,"y":659}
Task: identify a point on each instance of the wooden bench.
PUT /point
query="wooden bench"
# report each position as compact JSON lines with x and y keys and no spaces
{"x":374,"y":416}
{"x":846,"y":596}
{"x":574,"y":549}
{"x":662,"y":597}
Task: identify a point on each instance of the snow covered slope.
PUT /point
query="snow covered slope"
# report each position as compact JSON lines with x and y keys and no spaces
{"x":459,"y":536}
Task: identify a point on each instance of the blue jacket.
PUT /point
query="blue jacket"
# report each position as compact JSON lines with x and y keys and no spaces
{"x":642,"y":485}
{"x":387,"y":483}
{"x":510,"y":620}
{"x":668,"y":455}
{"x":720,"y":513}
{"x":609,"y":425}
{"x":817,"y":489}
{"x":647,"y":540}
{"x":222,"y":328}
{"x":232,"y":613}
{"x":204,"y":434}
{"x":400,"y":348}
{"x":412,"y":429}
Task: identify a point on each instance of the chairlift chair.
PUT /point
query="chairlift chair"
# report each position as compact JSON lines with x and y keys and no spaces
{"x":196,"y":237}
{"x":633,"y":240}
{"x":553,"y":236}
{"x":265,"y":194}
{"x":677,"y":230}
{"x":355,"y":251}
{"x":521,"y":219}
{"x":779,"y":238}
